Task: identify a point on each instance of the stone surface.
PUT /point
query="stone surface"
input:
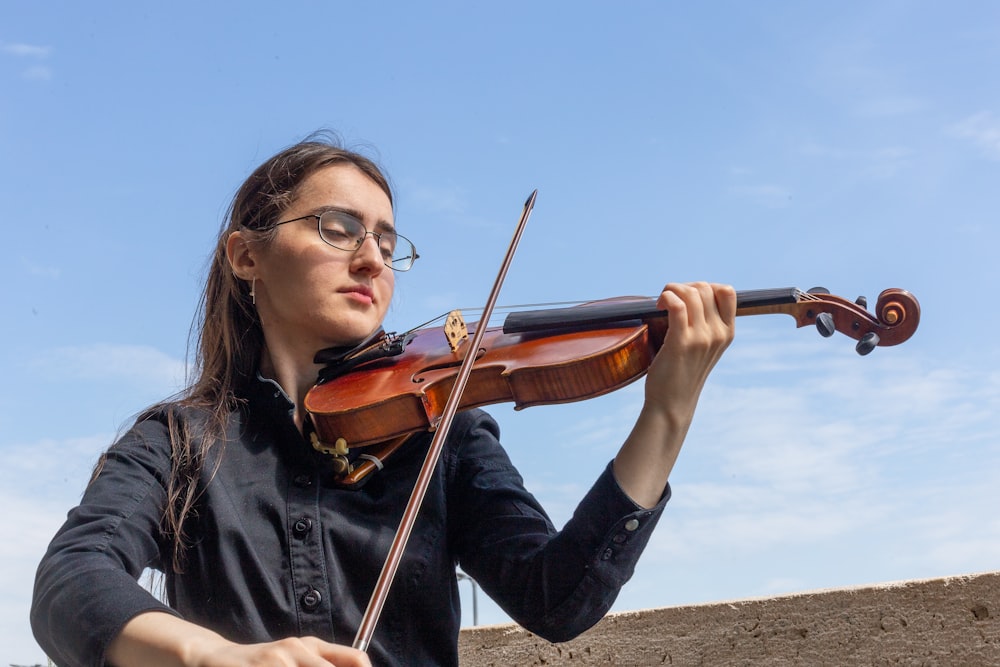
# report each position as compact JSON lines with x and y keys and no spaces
{"x":949,"y":621}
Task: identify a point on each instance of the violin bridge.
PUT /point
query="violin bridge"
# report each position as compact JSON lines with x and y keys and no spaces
{"x":455,"y":330}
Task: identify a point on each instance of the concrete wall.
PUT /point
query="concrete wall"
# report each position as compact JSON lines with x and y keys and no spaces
{"x":952,"y":621}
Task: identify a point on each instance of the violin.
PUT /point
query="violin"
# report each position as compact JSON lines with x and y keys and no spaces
{"x":397,"y":385}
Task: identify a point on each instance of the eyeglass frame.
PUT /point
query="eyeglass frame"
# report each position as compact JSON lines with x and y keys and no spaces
{"x":361,"y":240}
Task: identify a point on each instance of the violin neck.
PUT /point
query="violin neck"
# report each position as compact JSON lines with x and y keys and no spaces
{"x":622,"y":311}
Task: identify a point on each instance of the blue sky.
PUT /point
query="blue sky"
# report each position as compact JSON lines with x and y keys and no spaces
{"x":854,"y":146}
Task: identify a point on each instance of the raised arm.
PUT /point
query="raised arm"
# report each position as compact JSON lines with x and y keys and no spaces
{"x":701,"y":324}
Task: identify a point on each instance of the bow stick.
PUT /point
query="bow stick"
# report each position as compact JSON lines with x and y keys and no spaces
{"x":391,"y":565}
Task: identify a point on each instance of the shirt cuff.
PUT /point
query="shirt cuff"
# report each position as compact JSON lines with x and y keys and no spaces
{"x":619,"y":528}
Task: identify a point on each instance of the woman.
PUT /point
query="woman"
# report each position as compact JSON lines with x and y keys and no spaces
{"x":267,"y":560}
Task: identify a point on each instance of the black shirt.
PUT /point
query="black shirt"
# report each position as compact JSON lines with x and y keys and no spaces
{"x":276,"y":550}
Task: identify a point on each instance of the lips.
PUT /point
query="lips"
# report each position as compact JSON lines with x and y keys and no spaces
{"x":362,"y":291}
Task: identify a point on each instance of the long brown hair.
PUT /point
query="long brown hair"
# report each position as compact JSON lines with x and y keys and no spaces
{"x":228,"y":332}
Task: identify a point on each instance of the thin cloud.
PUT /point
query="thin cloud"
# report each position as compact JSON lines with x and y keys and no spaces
{"x":770,"y":474}
{"x":24,"y":50}
{"x":981,"y":129}
{"x":447,"y":203}
{"x":889,"y":106}
{"x":39,"y":482}
{"x":876,"y":163}
{"x":767,"y":195}
{"x":39,"y":270}
{"x":753,"y":529}
{"x":30,"y":463}
{"x":802,"y":477}
{"x":37,"y":73}
{"x":139,"y":364}
{"x":854,"y":74}
{"x":438,"y":199}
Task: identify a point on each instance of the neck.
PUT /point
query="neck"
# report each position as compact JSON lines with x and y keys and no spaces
{"x":295,"y":375}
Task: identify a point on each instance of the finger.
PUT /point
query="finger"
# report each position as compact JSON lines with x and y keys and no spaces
{"x":704,"y":309}
{"x":674,"y":300}
{"x":712,"y":304}
{"x":725,"y":299}
{"x":341,"y":656}
{"x":687,"y":302}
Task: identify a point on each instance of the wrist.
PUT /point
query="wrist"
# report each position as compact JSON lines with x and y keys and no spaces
{"x":198,"y":648}
{"x":160,"y":639}
{"x":668,"y":417}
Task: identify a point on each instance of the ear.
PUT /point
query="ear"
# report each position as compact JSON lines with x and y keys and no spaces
{"x":240,"y":256}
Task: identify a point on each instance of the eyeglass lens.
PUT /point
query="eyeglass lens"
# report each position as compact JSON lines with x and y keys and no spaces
{"x":345,"y":232}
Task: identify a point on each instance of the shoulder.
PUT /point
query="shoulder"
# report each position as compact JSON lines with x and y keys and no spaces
{"x":153,"y":437}
{"x":160,"y":421}
{"x":474,"y":447}
{"x":474,"y":434}
{"x":475,"y":423}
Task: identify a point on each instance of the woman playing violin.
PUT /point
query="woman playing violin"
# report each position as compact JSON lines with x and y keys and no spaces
{"x":266,"y":561}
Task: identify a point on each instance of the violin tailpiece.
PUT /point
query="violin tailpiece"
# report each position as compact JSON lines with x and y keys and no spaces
{"x":372,"y":460}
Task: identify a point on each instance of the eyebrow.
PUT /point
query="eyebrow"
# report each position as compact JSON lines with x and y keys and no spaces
{"x":380,"y":225}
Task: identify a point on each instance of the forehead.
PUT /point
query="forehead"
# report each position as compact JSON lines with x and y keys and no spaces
{"x":345,"y":187}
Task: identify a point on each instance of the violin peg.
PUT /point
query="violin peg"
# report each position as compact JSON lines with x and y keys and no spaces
{"x":825,"y":325}
{"x":817,"y":290}
{"x":862,"y":301}
{"x":867,"y":343}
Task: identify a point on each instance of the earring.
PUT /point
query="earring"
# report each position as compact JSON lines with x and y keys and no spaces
{"x":253,"y":291}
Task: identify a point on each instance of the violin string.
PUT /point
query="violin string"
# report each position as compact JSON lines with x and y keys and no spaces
{"x":498,"y":309}
{"x":800,"y":294}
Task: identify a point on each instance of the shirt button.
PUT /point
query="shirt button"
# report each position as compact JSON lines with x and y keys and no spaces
{"x":619,"y":538}
{"x":302,"y":527}
{"x":311,"y":599}
{"x":302,"y":481}
{"x":607,"y":554}
{"x":631,"y":525}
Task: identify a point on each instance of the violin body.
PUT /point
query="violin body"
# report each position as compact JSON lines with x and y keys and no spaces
{"x":557,"y":356}
{"x":523,"y":369}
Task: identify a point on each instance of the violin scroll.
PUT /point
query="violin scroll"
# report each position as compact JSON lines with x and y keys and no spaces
{"x":893,"y":305}
{"x":896,"y":316}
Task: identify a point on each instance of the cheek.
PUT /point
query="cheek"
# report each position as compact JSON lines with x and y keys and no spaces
{"x":389,"y":282}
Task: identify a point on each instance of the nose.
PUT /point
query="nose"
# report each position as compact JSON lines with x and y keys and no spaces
{"x":368,"y":254}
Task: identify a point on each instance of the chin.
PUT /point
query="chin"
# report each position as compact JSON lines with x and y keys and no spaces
{"x":350,"y":335}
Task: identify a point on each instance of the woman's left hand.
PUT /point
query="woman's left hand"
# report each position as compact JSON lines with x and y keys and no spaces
{"x":700,"y":326}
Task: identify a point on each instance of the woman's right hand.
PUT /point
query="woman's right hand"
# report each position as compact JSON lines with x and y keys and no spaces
{"x":291,"y":652}
{"x":159,"y":639}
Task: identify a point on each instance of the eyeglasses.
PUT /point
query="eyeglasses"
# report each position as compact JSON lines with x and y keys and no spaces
{"x":343,"y":231}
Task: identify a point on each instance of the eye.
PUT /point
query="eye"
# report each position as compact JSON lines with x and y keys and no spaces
{"x":341,"y":230}
{"x":336,"y":235}
{"x":387,"y":245}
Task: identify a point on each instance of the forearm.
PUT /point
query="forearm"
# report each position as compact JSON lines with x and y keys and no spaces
{"x":159,"y":639}
{"x":644,"y":462}
{"x":701,"y":318}
{"x":554,"y":584}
